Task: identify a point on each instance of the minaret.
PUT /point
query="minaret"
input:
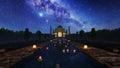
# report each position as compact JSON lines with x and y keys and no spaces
{"x":51,"y":30}
{"x":68,"y":30}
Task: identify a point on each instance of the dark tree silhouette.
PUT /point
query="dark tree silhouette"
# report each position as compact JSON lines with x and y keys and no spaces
{"x":93,"y":34}
{"x":27,"y":34}
{"x":81,"y":34}
{"x":38,"y":33}
{"x":77,"y":32}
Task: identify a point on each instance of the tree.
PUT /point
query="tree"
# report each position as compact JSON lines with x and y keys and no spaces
{"x":77,"y":33}
{"x":38,"y":33}
{"x":27,"y":34}
{"x":81,"y":33}
{"x":93,"y":34}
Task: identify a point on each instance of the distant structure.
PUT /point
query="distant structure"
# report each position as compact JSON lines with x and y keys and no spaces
{"x":68,"y":30}
{"x":51,"y":32}
{"x":60,"y":31}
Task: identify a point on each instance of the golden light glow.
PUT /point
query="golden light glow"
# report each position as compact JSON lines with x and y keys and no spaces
{"x":59,"y":34}
{"x":40,"y":59}
{"x":63,"y":50}
{"x":47,"y":48}
{"x":55,"y":34}
{"x":34,"y":46}
{"x":64,"y":34}
{"x":74,"y":51}
{"x":85,"y":46}
{"x":67,"y":50}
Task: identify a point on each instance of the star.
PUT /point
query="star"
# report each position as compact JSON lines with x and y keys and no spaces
{"x":40,"y":14}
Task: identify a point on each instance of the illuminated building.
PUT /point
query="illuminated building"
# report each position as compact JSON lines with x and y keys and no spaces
{"x":60,"y":32}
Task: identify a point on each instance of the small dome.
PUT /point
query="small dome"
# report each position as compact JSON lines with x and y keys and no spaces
{"x":59,"y":26}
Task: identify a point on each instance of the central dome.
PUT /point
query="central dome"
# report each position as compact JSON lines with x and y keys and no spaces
{"x":59,"y":26}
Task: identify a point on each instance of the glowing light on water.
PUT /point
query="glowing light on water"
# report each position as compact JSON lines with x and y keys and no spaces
{"x":47,"y":48}
{"x":85,"y":46}
{"x":63,"y":50}
{"x":34,"y":46}
{"x":40,"y":59}
{"x":67,"y":50}
{"x":74,"y":51}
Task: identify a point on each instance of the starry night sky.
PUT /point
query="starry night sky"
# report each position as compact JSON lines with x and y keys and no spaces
{"x":78,"y":14}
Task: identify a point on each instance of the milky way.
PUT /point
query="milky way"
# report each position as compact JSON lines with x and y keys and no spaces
{"x":55,"y":11}
{"x":78,"y":14}
{"x":49,"y":7}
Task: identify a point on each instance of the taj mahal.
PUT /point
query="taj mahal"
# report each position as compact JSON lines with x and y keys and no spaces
{"x":59,"y":31}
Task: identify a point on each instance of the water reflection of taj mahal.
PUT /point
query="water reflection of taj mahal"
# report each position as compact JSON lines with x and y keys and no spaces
{"x":60,"y":31}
